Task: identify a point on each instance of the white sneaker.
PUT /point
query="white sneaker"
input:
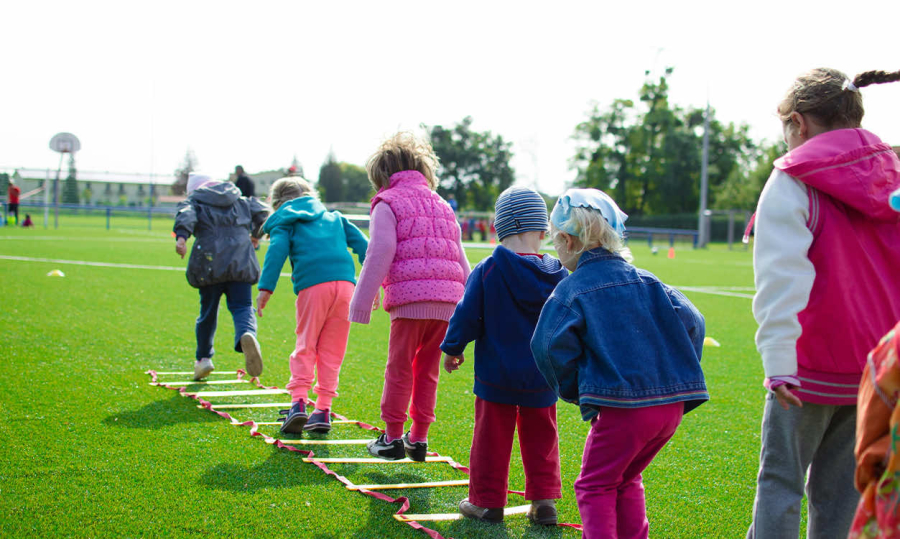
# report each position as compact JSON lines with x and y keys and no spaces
{"x":202,"y":368}
{"x":252,"y":354}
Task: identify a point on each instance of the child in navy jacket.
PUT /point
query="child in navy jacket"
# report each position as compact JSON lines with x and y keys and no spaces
{"x":503,"y":300}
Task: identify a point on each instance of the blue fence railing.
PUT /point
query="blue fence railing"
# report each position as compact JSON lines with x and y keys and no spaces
{"x":671,"y":233}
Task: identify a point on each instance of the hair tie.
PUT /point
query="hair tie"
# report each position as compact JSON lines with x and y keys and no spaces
{"x":848,"y":85}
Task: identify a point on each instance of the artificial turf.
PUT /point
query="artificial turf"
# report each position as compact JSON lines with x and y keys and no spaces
{"x":90,"y":449}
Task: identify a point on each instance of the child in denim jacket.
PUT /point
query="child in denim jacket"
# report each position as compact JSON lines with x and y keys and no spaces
{"x":623,"y":346}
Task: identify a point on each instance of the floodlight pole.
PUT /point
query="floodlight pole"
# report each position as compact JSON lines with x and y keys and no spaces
{"x":703,"y":221}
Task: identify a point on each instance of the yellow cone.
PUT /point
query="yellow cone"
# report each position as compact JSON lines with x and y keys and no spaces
{"x":709,"y":341}
{"x":56,"y":273}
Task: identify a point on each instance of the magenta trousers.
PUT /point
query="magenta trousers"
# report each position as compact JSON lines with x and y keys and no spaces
{"x":495,"y":427}
{"x":621,"y":444}
{"x":322,"y":331}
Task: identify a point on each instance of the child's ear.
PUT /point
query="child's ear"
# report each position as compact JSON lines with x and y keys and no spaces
{"x":570,"y":242}
{"x":543,"y":234}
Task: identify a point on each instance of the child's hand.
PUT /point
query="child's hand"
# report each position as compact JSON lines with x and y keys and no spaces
{"x":786,"y":398}
{"x":181,"y":247}
{"x":377,"y":300}
{"x":452,"y":363}
{"x":261,"y":299}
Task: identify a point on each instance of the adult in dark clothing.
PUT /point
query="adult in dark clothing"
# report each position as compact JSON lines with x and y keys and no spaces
{"x":243,"y":182}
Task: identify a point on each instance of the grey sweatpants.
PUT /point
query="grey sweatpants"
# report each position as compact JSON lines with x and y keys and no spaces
{"x":816,"y":437}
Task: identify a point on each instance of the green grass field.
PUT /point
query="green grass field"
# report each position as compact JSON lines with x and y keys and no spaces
{"x":90,"y":449}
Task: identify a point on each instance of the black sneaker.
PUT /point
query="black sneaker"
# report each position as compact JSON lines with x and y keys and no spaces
{"x":295,"y":420}
{"x":380,"y":448}
{"x":319,"y":421}
{"x":485,"y":514}
{"x":415,"y":451}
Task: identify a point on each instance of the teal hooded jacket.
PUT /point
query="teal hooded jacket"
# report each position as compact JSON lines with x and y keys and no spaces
{"x":316,"y":242}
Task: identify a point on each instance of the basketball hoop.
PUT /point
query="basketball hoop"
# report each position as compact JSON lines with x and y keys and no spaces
{"x":65,"y":143}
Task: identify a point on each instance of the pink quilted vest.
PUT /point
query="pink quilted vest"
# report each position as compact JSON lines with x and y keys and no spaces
{"x":426,"y":265}
{"x":855,"y":298}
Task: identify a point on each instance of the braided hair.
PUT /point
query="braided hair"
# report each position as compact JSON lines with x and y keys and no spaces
{"x":830,"y":97}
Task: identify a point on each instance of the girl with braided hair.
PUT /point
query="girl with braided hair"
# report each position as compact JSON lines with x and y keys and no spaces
{"x":824,"y":260}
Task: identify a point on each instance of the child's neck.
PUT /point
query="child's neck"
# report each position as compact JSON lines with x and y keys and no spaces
{"x":522,"y":243}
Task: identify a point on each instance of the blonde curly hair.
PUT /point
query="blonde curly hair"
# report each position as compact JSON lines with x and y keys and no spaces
{"x":287,"y":189}
{"x":403,"y":151}
{"x":593,"y":231}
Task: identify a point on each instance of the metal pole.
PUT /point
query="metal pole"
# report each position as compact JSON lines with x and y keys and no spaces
{"x":704,"y":182}
{"x":47,"y":198}
{"x":56,"y":192}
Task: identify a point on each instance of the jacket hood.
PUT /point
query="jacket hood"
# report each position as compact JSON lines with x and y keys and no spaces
{"x":304,"y":208}
{"x":530,"y":281}
{"x":219,"y":194}
{"x":851,"y":165}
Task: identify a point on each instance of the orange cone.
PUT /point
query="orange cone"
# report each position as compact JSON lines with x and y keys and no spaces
{"x":671,"y":252}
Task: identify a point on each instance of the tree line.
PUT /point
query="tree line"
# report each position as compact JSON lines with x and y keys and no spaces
{"x":645,"y":152}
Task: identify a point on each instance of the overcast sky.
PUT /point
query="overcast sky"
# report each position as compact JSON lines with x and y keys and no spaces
{"x":255,"y":83}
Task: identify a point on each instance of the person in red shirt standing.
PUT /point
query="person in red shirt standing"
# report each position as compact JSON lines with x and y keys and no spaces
{"x":13,"y":193}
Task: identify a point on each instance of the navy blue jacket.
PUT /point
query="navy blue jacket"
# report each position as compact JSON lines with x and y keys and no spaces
{"x":504,"y":296}
{"x":614,"y":335}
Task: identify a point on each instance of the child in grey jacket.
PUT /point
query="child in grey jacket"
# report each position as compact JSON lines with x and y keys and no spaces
{"x":226,"y":227}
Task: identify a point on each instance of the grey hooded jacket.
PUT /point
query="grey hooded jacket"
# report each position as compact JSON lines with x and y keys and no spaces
{"x":221,"y":221}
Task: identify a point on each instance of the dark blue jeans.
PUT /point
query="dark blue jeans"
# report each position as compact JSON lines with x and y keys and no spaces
{"x":238,"y":297}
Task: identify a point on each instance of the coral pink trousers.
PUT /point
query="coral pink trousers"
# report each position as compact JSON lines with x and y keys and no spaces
{"x":322,"y":331}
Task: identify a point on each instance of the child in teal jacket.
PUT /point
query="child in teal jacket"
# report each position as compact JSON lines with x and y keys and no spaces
{"x":324,"y":277}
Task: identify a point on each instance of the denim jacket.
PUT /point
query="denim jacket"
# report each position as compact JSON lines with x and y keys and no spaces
{"x":614,"y":335}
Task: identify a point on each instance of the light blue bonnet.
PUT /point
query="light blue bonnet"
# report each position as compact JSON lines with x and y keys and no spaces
{"x":587,"y":198}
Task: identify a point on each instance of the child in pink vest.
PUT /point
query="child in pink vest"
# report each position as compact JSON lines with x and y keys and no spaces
{"x":415,"y":252}
{"x":825,"y":261}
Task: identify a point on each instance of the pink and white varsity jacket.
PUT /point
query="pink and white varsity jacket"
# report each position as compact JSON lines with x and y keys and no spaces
{"x":825,"y":260}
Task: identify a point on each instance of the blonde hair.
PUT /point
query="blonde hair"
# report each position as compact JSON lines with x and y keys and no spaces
{"x":826,"y":95}
{"x":403,"y":151}
{"x":593,"y":231}
{"x":288,"y":189}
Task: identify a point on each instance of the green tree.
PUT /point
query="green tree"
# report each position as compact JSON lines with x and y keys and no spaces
{"x":87,"y":194}
{"x":741,"y":188}
{"x":70,"y":186}
{"x":188,"y":165}
{"x":648,"y":156}
{"x":474,"y":166}
{"x":331,"y":189}
{"x":355,"y":183}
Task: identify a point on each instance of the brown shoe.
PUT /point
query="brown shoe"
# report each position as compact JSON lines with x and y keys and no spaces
{"x":493,"y":515}
{"x":543,"y":512}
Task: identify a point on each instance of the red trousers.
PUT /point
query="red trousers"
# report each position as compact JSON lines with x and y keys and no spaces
{"x":495,"y":426}
{"x":412,"y":372}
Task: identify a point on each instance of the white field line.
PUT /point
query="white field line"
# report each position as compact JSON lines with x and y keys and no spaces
{"x":98,"y":264}
{"x":715,"y":290}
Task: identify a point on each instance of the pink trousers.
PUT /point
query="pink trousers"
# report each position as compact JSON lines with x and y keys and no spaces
{"x":621,"y":444}
{"x":322,"y":331}
{"x":412,"y":372}
{"x":495,"y":427}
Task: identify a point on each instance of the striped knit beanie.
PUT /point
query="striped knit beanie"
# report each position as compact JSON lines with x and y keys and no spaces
{"x":518,"y":210}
